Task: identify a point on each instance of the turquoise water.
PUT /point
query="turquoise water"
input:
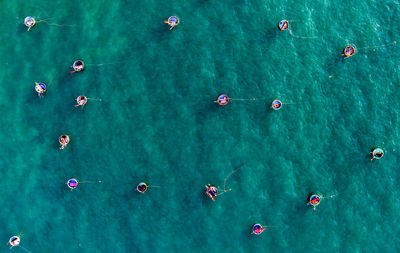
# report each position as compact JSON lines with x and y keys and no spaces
{"x":157,"y":123}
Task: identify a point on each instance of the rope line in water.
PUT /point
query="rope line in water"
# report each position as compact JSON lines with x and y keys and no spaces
{"x":88,"y":182}
{"x":373,"y":47}
{"x":109,"y":63}
{"x":230,"y":174}
{"x":301,"y":37}
{"x":44,"y":20}
{"x":101,"y":64}
{"x":25,"y":249}
{"x":95,"y":99}
{"x":225,"y":191}
{"x":242,"y":99}
{"x":327,"y":197}
{"x":52,"y":79}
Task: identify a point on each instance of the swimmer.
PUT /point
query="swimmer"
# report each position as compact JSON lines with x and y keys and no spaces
{"x":64,"y":140}
{"x":172,"y":22}
{"x":81,"y":100}
{"x":29,"y":22}
{"x":142,"y":187}
{"x":283,"y":25}
{"x":40,"y":88}
{"x":78,"y":66}
{"x":14,"y":241}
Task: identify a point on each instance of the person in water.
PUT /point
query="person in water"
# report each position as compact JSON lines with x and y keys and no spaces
{"x":349,"y":51}
{"x":15,"y":241}
{"x":376,"y":155}
{"x":78,"y":66}
{"x":173,"y":23}
{"x":40,"y":88}
{"x":81,"y":101}
{"x":224,"y":100}
{"x":64,"y":140}
{"x":314,"y":201}
{"x":142,"y":188}
{"x":212,"y":191}
{"x":259,"y":230}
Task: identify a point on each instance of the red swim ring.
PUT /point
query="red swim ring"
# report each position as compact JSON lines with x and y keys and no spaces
{"x":283,"y":25}
{"x":349,"y":51}
{"x":211,"y":191}
{"x":81,"y":100}
{"x":223,"y":99}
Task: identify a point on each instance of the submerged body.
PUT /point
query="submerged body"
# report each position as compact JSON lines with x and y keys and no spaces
{"x":81,"y":100}
{"x":141,"y":187}
{"x":377,"y":153}
{"x":14,"y":241}
{"x":40,"y":88}
{"x":314,"y":200}
{"x":63,"y":140}
{"x":276,"y":105}
{"x":257,"y":229}
{"x":172,"y":22}
{"x":211,"y":191}
{"x":29,"y":22}
{"x":78,"y":66}
{"x":283,"y":25}
{"x":72,"y":183}
{"x":223,"y":99}
{"x":349,"y":51}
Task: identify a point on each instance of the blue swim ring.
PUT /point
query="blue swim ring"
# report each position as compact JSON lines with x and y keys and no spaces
{"x":282,"y":25}
{"x":276,"y":105}
{"x":173,"y":20}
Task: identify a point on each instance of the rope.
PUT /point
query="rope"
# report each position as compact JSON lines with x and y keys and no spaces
{"x":373,"y":47}
{"x":52,"y":24}
{"x":89,"y":182}
{"x":95,"y":99}
{"x":225,"y":191}
{"x":108,"y":63}
{"x":52,"y":79}
{"x":101,"y":64}
{"x":242,"y":99}
{"x":329,"y":196}
{"x":231,"y":175}
{"x":25,"y":249}
{"x":43,"y":20}
{"x":290,"y":32}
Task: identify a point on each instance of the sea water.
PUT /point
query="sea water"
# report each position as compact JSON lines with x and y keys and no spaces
{"x":157,"y":122}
